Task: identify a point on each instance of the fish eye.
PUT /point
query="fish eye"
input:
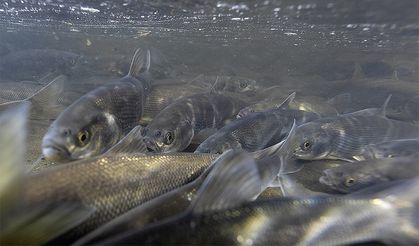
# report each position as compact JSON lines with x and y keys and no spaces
{"x":349,"y":181}
{"x":243,"y":84}
{"x":157,"y":134}
{"x":83,"y":137}
{"x":168,"y":138}
{"x":306,"y":145}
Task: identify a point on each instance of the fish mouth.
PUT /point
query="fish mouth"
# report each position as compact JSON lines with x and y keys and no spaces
{"x":55,"y":152}
{"x":325,"y":180}
{"x":151,"y":145}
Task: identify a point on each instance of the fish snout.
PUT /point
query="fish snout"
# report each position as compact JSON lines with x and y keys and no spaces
{"x":151,"y":144}
{"x":55,"y":152}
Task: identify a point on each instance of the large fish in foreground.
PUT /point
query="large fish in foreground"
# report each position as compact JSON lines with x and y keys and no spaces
{"x":235,"y":170}
{"x":257,"y":130}
{"x":100,"y":118}
{"x":110,"y":185}
{"x":34,"y":224}
{"x":174,"y":128}
{"x":321,"y":220}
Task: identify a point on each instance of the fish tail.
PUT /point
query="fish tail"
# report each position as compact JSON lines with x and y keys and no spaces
{"x":404,"y":200}
{"x":399,"y":201}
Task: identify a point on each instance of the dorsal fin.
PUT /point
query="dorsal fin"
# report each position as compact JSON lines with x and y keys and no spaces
{"x":383,"y":109}
{"x":358,"y":73}
{"x":213,"y":86}
{"x":137,"y":62}
{"x":131,"y":143}
{"x":287,"y":101}
{"x":148,"y":61}
{"x":49,"y":94}
{"x":234,"y":179}
{"x":341,"y":102}
{"x":286,"y":148}
{"x":199,"y":82}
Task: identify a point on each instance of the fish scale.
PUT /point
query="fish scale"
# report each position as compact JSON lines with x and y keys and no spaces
{"x":284,"y":221}
{"x":351,"y":133}
{"x":114,"y":184}
{"x":99,"y":119}
{"x":190,"y":116}
{"x":255,"y":131}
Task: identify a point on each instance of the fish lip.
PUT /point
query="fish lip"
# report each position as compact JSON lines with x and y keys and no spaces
{"x":54,"y":151}
{"x":151,"y":145}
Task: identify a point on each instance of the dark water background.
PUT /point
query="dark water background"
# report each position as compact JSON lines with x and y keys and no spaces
{"x":311,"y":47}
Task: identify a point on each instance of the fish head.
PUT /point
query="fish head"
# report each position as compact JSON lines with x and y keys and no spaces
{"x":80,"y":132}
{"x":346,"y":179}
{"x":235,"y":84}
{"x":311,"y":142}
{"x":168,"y":136}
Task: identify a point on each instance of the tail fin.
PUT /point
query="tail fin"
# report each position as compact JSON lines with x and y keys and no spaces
{"x":400,"y":203}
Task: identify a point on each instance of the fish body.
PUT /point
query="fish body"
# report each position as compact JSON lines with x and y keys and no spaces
{"x":255,"y":131}
{"x":355,"y":176}
{"x":235,"y":176}
{"x":313,"y":104}
{"x":344,"y":137}
{"x":174,"y":127}
{"x":396,"y":148}
{"x":161,"y":95}
{"x":292,"y":221}
{"x":33,"y":63}
{"x":100,"y":118}
{"x":112,"y":185}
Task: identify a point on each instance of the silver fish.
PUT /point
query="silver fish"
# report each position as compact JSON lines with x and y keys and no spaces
{"x":100,"y":118}
{"x":234,"y":176}
{"x":256,"y":131}
{"x":34,"y":224}
{"x":313,"y":104}
{"x":33,"y":63}
{"x":344,"y":137}
{"x":396,"y":148}
{"x":234,"y":172}
{"x":319,"y":220}
{"x":174,"y":127}
{"x":161,"y":95}
{"x":359,"y":175}
{"x":112,"y":185}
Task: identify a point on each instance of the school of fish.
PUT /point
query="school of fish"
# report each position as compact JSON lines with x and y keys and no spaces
{"x":201,"y":160}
